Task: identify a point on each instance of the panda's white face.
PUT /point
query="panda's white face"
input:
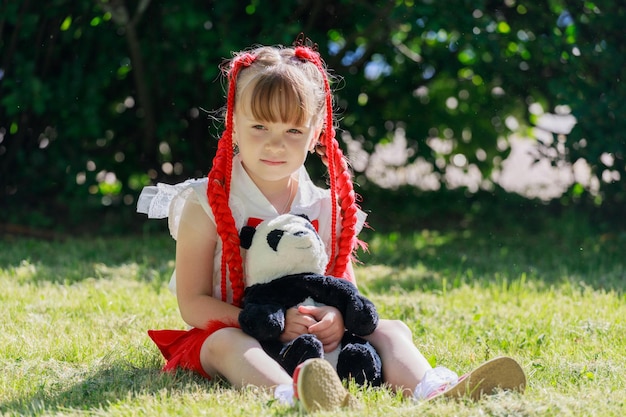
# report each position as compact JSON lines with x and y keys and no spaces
{"x":285,"y":245}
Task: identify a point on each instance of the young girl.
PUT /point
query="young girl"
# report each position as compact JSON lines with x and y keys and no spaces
{"x":278,"y":109}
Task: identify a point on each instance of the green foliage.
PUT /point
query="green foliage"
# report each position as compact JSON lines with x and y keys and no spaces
{"x":101,"y":97}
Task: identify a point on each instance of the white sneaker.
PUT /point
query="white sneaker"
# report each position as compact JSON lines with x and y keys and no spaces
{"x":498,"y":374}
{"x":435,"y":380}
{"x":284,"y":394}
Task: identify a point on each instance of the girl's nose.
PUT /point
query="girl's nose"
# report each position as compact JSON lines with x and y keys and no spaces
{"x":274,"y":143}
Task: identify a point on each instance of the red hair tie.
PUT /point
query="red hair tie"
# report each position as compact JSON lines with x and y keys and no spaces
{"x":246,"y":59}
{"x":240,"y":61}
{"x":308,"y":54}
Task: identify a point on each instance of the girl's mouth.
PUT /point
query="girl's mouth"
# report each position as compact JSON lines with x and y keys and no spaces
{"x":272,"y":163}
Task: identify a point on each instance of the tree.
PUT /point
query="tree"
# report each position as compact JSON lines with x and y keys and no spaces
{"x":119,"y":93}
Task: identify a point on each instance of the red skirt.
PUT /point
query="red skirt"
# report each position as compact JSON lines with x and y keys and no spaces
{"x":181,"y":348}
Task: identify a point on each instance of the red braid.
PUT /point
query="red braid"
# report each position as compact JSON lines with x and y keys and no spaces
{"x":347,"y":199}
{"x":340,"y":180}
{"x":218,"y":192}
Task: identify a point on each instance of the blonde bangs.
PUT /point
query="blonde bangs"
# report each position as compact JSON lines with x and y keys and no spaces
{"x":275,"y":97}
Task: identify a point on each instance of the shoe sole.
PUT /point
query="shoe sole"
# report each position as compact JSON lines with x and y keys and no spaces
{"x":502,"y":373}
{"x":318,"y":387}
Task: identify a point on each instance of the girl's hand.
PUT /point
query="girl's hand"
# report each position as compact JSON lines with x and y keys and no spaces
{"x":296,"y":324}
{"x":329,"y":327}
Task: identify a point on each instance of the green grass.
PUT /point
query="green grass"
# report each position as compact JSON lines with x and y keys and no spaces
{"x":74,"y":316}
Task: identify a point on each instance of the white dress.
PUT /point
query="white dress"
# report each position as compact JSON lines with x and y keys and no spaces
{"x":246,"y":201}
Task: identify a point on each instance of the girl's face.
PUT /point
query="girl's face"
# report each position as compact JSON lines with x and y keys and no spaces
{"x":272,"y":151}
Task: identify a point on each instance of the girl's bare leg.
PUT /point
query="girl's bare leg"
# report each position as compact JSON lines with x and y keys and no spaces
{"x":403,"y":364}
{"x":241,"y":360}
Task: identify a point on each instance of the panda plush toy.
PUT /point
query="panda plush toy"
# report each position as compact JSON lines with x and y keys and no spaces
{"x":285,"y":265}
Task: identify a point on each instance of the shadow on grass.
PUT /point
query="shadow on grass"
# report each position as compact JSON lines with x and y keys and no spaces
{"x":436,"y":260}
{"x":103,"y":388}
{"x":70,"y":261}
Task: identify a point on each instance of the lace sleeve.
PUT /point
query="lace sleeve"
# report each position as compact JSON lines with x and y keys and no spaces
{"x":155,"y":200}
{"x":166,"y":201}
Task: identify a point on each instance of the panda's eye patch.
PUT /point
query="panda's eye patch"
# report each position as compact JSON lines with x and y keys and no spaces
{"x":273,"y":238}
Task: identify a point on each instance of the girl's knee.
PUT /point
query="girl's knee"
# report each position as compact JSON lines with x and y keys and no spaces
{"x":221,"y":342}
{"x":389,"y":333}
{"x":394,"y":328}
{"x":217,"y":349}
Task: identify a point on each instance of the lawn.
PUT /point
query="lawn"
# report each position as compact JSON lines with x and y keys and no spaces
{"x":75,"y":313}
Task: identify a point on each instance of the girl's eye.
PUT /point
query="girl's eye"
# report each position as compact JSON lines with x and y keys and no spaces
{"x":258,"y":127}
{"x":295,"y":131}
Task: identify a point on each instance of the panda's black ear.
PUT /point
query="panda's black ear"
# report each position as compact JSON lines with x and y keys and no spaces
{"x":304,"y":216}
{"x":245,"y":236}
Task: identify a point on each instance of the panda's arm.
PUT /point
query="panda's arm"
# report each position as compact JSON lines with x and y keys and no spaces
{"x":265,"y":306}
{"x":264,"y":322}
{"x":359,"y":313}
